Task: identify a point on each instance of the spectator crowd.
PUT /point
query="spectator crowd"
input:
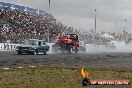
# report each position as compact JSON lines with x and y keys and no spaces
{"x":18,"y":26}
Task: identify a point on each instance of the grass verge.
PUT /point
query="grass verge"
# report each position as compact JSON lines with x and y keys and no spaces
{"x":54,"y":77}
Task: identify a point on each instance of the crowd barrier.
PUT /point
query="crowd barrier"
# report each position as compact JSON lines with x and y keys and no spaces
{"x":95,"y":48}
{"x":119,"y":47}
{"x":12,"y":47}
{"x":8,"y":47}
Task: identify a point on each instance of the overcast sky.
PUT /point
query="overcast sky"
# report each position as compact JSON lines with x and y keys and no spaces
{"x":111,"y":14}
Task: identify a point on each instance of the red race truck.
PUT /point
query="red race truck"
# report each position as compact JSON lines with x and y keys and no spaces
{"x":67,"y":42}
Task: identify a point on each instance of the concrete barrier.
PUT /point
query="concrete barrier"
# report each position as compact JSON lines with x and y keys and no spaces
{"x":12,"y":47}
{"x":93,"y":48}
{"x":8,"y":47}
{"x":119,"y":47}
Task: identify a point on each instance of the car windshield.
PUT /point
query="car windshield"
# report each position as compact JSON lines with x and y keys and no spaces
{"x":72,"y":36}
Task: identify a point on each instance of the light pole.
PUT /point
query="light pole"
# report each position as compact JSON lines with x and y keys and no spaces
{"x":49,"y":4}
{"x":95,"y":21}
{"x":115,"y":24}
{"x":124,"y":32}
{"x":125,"y":25}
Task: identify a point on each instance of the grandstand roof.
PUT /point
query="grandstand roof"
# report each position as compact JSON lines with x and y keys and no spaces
{"x":21,"y":8}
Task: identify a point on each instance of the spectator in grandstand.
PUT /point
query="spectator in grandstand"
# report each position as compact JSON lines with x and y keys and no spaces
{"x":22,"y":26}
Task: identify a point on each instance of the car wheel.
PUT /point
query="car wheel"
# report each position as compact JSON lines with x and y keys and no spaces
{"x":45,"y":53}
{"x":19,"y":53}
{"x":35,"y":52}
{"x":29,"y":53}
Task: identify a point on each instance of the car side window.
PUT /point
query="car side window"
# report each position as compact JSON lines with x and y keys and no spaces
{"x":39,"y":43}
{"x":44,"y":43}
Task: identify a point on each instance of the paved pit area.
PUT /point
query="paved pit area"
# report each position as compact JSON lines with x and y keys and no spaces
{"x":110,"y":61}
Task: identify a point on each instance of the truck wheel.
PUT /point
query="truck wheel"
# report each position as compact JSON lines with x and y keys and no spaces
{"x":76,"y":50}
{"x":69,"y":50}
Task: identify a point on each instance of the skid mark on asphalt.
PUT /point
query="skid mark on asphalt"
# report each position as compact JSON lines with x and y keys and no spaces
{"x":4,"y":62}
{"x":111,"y":56}
{"x":7,"y":53}
{"x":109,"y":60}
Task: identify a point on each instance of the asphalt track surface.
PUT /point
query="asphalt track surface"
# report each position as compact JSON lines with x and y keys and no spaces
{"x":109,"y":61}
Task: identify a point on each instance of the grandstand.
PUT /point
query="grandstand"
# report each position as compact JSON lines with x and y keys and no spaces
{"x":18,"y":23}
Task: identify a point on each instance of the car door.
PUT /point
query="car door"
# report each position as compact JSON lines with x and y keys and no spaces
{"x":41,"y":48}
